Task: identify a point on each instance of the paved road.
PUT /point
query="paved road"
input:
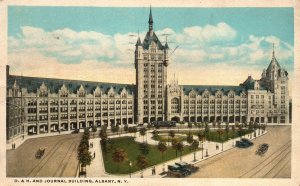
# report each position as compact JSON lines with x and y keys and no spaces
{"x":59,"y":160}
{"x":237,"y":162}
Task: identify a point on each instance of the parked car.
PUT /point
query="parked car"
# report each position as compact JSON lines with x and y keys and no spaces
{"x":262,"y":149}
{"x":243,"y":143}
{"x":191,"y":168}
{"x":158,"y":124}
{"x":175,"y":170}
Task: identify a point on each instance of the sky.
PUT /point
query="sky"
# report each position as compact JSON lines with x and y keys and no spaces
{"x":208,"y":46}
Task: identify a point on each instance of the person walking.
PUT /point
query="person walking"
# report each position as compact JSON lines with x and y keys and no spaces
{"x":94,"y":154}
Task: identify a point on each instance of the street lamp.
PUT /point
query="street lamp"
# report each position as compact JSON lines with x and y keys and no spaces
{"x":130,"y":164}
{"x":222,"y":143}
{"x":202,"y":150}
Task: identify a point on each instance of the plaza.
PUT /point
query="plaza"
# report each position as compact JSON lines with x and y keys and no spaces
{"x":60,"y":157}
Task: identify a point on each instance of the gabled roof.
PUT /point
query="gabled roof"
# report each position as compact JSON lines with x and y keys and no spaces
{"x":148,"y":39}
{"x":54,"y":85}
{"x":212,"y":88}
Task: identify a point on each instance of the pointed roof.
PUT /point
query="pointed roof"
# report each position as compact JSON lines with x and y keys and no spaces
{"x":138,"y":42}
{"x":148,"y":39}
{"x":166,"y":45}
{"x":150,"y":16}
{"x":274,"y":62}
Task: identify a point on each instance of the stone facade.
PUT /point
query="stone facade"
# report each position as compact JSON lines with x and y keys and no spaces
{"x":151,"y":62}
{"x":76,"y":106}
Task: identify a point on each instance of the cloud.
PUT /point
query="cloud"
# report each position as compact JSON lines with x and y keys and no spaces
{"x":201,"y":52}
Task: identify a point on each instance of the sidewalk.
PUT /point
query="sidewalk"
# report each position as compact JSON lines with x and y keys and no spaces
{"x":96,"y":169}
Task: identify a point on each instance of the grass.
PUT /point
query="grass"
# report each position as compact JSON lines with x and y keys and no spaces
{"x":166,"y":138}
{"x":213,"y":134}
{"x":131,"y":147}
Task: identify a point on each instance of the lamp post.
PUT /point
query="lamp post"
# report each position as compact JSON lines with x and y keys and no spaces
{"x":222,"y":143}
{"x":202,"y":150}
{"x":130,"y":164}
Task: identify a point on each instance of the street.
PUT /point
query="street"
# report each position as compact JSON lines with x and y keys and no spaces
{"x":59,"y":160}
{"x":244,"y":163}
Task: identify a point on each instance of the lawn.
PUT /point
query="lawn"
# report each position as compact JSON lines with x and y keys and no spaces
{"x":213,"y":134}
{"x":167,"y":138}
{"x":131,"y":147}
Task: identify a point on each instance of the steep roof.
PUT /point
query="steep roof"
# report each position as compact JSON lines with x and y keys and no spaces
{"x":148,"y":39}
{"x":249,"y":84}
{"x":34,"y":83}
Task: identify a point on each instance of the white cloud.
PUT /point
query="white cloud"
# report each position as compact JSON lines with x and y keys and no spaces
{"x":89,"y":55}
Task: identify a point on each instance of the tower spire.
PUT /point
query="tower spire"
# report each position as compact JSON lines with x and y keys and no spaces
{"x":273,"y":55}
{"x":150,"y":22}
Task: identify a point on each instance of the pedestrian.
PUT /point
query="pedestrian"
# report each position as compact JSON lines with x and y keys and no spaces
{"x":154,"y":170}
{"x":90,"y":145}
{"x":94,"y":154}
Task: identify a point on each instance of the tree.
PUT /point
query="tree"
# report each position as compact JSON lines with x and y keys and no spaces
{"x":143,"y":132}
{"x":220,"y":133}
{"x":162,"y":147}
{"x":240,"y":131}
{"x":132,"y":130}
{"x":189,"y":139}
{"x":219,"y":124}
{"x":227,"y":129}
{"x":141,"y":163}
{"x":83,"y":154}
{"x":114,"y":129}
{"x":214,"y":125}
{"x":155,"y":134}
{"x":174,"y":145}
{"x":119,"y":156}
{"x":85,"y":157}
{"x":201,"y":136}
{"x":190,"y":125}
{"x":125,"y":128}
{"x":179,"y":147}
{"x":233,"y":130}
{"x":206,"y":130}
{"x":172,"y":134}
{"x":144,"y":148}
{"x":195,"y":146}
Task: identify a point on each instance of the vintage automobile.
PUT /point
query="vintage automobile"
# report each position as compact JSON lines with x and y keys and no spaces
{"x":40,"y":152}
{"x":191,"y":168}
{"x":262,"y":149}
{"x":168,"y":124}
{"x":176,"y":171}
{"x":243,"y":143}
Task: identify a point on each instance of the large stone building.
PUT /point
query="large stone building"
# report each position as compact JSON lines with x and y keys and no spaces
{"x":44,"y":105}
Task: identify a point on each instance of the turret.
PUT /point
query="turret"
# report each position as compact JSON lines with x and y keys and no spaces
{"x":166,"y":54}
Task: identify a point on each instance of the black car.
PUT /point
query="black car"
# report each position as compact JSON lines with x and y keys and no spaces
{"x":168,"y":124}
{"x":262,"y":149}
{"x":176,"y":168}
{"x":243,"y":143}
{"x":184,"y":166}
{"x":191,"y":168}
